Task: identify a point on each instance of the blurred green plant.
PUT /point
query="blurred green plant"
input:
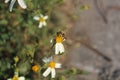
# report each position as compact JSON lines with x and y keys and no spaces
{"x":22,"y":43}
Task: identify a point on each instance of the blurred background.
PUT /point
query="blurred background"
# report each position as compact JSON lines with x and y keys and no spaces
{"x":92,"y":47}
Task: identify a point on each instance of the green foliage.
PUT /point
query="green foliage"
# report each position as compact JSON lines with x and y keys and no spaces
{"x":20,"y":36}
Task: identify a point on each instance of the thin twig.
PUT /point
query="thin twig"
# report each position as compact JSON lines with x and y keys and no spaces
{"x":101,"y":10}
{"x":89,"y":46}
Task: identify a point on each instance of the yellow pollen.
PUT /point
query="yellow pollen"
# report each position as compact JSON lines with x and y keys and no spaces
{"x":52,"y":64}
{"x":15,"y":77}
{"x":42,"y":19}
{"x":59,"y":39}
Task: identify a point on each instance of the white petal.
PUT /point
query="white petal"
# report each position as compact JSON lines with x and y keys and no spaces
{"x":22,"y":4}
{"x":57,"y":65}
{"x":53,"y":73}
{"x":61,"y":48}
{"x":6,"y":1}
{"x":9,"y":79}
{"x":57,"y":48}
{"x":50,"y":58}
{"x":47,"y":60}
{"x":41,"y":15}
{"x":36,"y":18}
{"x":40,"y":25}
{"x":11,"y":5}
{"x":47,"y":72}
{"x":45,"y":17}
{"x":44,"y":23}
{"x":21,"y":78}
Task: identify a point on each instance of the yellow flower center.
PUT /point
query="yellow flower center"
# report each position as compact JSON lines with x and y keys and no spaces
{"x":15,"y":77}
{"x":59,"y":39}
{"x":52,"y":64}
{"x":35,"y":68}
{"x":42,"y":19}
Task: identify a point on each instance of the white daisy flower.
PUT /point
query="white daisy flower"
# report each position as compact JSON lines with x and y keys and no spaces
{"x":51,"y":69}
{"x":59,"y":48}
{"x":42,"y":20}
{"x":20,"y":2}
{"x":15,"y":77}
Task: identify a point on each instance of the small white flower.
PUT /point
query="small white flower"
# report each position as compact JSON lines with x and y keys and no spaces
{"x":20,"y":2}
{"x":51,"y":69}
{"x":15,"y":77}
{"x":59,"y":48}
{"x":42,"y":20}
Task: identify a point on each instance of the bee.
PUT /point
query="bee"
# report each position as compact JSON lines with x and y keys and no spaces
{"x":57,"y":42}
{"x":60,"y":37}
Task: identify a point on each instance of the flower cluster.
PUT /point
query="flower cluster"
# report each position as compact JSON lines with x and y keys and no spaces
{"x":59,"y":49}
{"x":57,"y":43}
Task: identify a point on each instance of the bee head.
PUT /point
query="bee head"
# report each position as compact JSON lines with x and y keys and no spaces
{"x":59,"y":33}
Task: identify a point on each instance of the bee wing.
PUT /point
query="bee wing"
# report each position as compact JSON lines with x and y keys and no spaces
{"x":64,"y":37}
